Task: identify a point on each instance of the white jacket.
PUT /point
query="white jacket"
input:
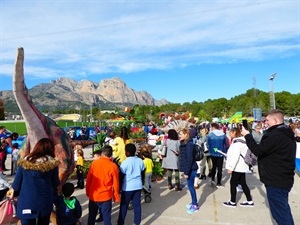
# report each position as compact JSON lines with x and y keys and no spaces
{"x":235,"y":161}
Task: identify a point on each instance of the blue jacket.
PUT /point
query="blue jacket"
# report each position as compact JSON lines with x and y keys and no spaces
{"x":67,"y":215}
{"x":217,"y":139}
{"x":36,"y":184}
{"x":186,"y":157}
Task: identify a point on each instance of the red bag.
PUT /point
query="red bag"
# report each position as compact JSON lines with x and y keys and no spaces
{"x":8,"y":211}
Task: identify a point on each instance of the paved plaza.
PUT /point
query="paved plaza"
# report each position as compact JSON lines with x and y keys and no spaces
{"x":168,"y":206}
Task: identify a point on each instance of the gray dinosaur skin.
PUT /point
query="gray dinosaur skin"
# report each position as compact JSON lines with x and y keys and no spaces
{"x":40,"y":126}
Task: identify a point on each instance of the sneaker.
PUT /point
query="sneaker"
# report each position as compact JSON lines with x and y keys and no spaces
{"x":247,"y":204}
{"x":212,"y":183}
{"x":188,"y":206}
{"x":192,"y":209}
{"x":229,"y":204}
{"x":219,"y":186}
{"x":100,"y":219}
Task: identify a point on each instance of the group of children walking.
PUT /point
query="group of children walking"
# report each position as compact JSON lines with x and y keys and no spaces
{"x":106,"y":180}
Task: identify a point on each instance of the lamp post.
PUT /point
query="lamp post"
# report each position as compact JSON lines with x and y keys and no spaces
{"x":272,"y":95}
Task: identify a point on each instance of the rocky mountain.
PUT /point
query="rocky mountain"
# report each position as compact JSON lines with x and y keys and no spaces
{"x":65,"y":93}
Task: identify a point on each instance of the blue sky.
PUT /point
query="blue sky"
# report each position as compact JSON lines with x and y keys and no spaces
{"x":182,"y":51}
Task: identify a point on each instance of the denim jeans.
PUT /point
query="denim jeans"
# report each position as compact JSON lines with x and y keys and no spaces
{"x":279,"y":205}
{"x":126,"y":197}
{"x":41,"y":220}
{"x":190,"y":184}
{"x":104,"y":207}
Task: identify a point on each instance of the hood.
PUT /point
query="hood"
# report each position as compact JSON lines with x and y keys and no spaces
{"x":287,"y":130}
{"x":41,"y":165}
{"x":218,"y":132}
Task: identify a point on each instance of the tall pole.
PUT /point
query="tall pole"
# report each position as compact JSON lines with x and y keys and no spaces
{"x":272,"y":95}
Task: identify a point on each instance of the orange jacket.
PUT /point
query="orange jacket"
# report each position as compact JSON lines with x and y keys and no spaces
{"x":102,"y":183}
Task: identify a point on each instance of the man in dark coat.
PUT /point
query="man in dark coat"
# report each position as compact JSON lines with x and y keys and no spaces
{"x":276,"y":164}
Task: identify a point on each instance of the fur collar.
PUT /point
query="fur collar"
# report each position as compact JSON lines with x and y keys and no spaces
{"x":40,"y":165}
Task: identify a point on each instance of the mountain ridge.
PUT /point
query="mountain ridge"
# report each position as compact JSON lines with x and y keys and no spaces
{"x":65,"y":93}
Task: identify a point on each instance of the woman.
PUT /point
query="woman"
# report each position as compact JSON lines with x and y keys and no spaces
{"x":170,"y":162}
{"x":188,"y":166}
{"x":36,"y":183}
{"x":236,"y":166}
{"x":13,"y":137}
{"x":206,"y":158}
{"x":119,"y":151}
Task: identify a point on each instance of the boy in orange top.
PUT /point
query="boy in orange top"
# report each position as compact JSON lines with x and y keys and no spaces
{"x":102,"y":186}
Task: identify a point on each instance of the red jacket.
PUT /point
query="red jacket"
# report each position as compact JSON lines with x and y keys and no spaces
{"x":102,"y":183}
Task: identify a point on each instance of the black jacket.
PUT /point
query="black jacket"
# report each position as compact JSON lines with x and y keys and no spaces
{"x":276,"y":156}
{"x":186,"y":157}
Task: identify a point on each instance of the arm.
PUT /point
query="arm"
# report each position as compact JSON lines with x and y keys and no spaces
{"x":78,"y":209}
{"x":116,"y":184}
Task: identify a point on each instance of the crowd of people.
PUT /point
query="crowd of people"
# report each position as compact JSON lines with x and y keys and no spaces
{"x":118,"y":175}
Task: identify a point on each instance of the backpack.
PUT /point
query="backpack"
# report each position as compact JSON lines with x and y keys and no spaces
{"x":250,"y":159}
{"x":198,"y":152}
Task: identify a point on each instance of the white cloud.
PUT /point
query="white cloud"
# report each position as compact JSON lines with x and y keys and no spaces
{"x":77,"y":38}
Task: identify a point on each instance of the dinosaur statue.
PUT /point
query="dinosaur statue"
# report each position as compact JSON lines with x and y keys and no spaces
{"x":39,"y":126}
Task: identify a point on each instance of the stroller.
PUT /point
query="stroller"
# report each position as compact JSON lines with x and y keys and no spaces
{"x":146,"y":195}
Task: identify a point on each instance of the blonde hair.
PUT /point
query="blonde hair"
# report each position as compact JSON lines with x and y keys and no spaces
{"x":78,"y":147}
{"x":186,"y":132}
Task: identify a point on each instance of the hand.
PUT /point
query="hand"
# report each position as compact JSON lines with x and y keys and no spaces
{"x":244,"y":131}
{"x":185,"y":176}
{"x":229,"y":171}
{"x":10,"y":193}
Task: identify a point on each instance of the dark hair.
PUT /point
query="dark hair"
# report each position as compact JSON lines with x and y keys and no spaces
{"x":107,"y":150}
{"x":146,"y":154}
{"x":214,"y":125}
{"x":97,"y":152}
{"x":15,"y":145}
{"x":124,"y":134}
{"x":14,"y":136}
{"x":43,"y":148}
{"x":67,"y":189}
{"x":130,"y":149}
{"x":237,"y":131}
{"x":173,"y":135}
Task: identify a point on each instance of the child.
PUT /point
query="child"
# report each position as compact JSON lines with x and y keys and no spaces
{"x":97,"y":155}
{"x":132,"y":168}
{"x":79,"y":167}
{"x":4,"y":186}
{"x":148,"y":163}
{"x":76,"y":148}
{"x":68,"y":208}
{"x":15,"y":157}
{"x":102,"y":186}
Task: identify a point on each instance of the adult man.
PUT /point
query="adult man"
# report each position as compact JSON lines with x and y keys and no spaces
{"x":217,"y":140}
{"x":102,"y":186}
{"x":276,"y":164}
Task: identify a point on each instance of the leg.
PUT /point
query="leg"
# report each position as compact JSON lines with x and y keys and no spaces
{"x":214,"y":168}
{"x":220,"y":168}
{"x":3,"y":193}
{"x":233,"y":183}
{"x":169,"y":175}
{"x":203,"y":165}
{"x":106,"y":211}
{"x":136,"y":202}
{"x":125,"y":200}
{"x":148,"y":180}
{"x":44,"y":220}
{"x":246,"y":190}
{"x":28,"y":221}
{"x":209,"y":164}
{"x":279,"y":205}
{"x":190,"y":184}
{"x":93,"y":208}
{"x":177,"y":178}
